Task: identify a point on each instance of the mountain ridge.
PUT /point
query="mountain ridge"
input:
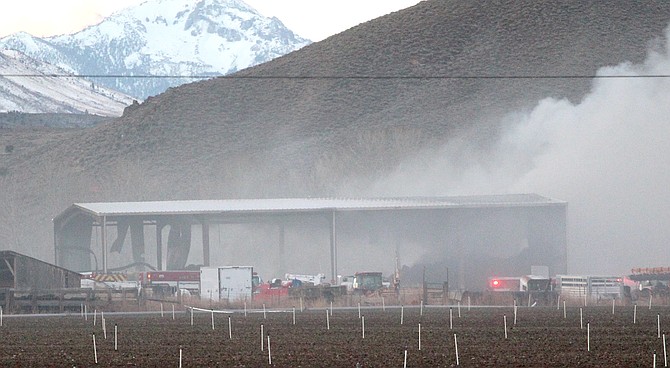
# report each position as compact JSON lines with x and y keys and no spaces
{"x":31,"y":86}
{"x":164,"y":37}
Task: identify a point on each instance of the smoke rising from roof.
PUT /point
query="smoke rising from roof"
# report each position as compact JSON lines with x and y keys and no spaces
{"x":606,"y":155}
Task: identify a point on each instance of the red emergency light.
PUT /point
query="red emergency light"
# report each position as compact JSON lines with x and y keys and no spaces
{"x":495,"y":283}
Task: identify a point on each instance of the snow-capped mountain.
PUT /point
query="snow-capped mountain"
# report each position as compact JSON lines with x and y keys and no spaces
{"x":28,"y":85}
{"x":164,"y":38}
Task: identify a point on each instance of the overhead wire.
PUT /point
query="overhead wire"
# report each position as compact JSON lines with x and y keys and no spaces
{"x":325,"y":77}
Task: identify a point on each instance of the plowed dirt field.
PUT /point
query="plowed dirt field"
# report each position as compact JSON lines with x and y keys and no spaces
{"x":541,"y":337}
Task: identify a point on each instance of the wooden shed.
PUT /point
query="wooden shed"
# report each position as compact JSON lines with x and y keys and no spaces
{"x":20,"y":272}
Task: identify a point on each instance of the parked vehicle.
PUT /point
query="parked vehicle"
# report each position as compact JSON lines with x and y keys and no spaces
{"x":528,"y":290}
{"x":170,"y":282}
{"x":367,"y":282}
{"x":230,"y":283}
{"x":590,"y":287}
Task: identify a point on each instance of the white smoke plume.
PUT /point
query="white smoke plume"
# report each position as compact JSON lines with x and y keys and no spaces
{"x":608,"y":156}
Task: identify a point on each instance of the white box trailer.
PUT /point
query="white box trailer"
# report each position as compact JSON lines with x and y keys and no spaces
{"x":229,"y":283}
{"x":590,"y":287}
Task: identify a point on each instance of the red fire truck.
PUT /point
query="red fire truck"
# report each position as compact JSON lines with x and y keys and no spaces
{"x":169,"y":282}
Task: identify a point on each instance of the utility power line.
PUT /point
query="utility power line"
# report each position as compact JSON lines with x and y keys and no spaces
{"x":326,"y":77}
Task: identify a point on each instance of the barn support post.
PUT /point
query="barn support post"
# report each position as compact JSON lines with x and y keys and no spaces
{"x":205,"y":243}
{"x":159,"y":246}
{"x":103,"y":235}
{"x":333,"y":247}
{"x":282,"y":258}
{"x":55,"y":247}
{"x":61,"y":297}
{"x":33,"y":301}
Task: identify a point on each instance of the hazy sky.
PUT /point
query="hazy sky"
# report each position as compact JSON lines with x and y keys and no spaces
{"x":312,"y":19}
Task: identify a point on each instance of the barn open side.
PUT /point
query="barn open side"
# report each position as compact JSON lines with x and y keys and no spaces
{"x":468,"y":238}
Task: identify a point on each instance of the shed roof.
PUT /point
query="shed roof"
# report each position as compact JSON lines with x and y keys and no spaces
{"x":185,"y":207}
{"x":8,"y":254}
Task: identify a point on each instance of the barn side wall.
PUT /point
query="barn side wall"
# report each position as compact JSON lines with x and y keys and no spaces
{"x":35,"y":274}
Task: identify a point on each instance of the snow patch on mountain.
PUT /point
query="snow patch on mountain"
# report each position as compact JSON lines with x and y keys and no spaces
{"x":165,"y":38}
{"x":28,"y":85}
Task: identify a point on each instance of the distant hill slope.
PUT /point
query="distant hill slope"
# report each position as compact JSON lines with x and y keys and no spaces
{"x":27,"y":121}
{"x":27,"y":85}
{"x":336,"y":115}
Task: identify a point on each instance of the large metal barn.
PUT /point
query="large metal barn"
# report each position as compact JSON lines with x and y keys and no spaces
{"x":461,"y":239}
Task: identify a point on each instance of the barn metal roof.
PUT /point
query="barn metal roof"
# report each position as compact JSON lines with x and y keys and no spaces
{"x":309,"y":204}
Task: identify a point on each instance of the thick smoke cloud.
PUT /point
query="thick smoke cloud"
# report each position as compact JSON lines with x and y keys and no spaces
{"x":607,"y":155}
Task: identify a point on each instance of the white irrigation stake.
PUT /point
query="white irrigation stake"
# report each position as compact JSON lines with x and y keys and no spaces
{"x":95,"y":316}
{"x":293,"y":315}
{"x":456,"y":348}
{"x":85,"y":312}
{"x":558,"y":302}
{"x":419,"y":336}
{"x":421,"y":313}
{"x":581,"y":319}
{"x":173,"y":312}
{"x":529,"y":298}
{"x":658,"y":324}
{"x":95,"y":350}
{"x":230,"y":328}
{"x":302,"y":308}
{"x":459,"y":309}
{"x":404,"y":364}
{"x":359,"y":310}
{"x":162,"y":315}
{"x":264,"y":314}
{"x":565,"y":311}
{"x":634,"y":313}
{"x":104,"y":328}
{"x":468,"y":303}
{"x":383,"y":305}
{"x":327,"y":320}
{"x":262,"y":337}
{"x":451,"y":319}
{"x":245,"y":308}
{"x":402,"y":314}
{"x":515,"y":308}
{"x":665,"y":353}
{"x":331,"y":307}
{"x":191,"y":316}
{"x":505,"y":319}
{"x":0,"y":316}
{"x":588,"y":336}
{"x":269,"y":351}
{"x":180,"y":357}
{"x":212,"y":319}
{"x":116,"y":341}
{"x":363,"y":325}
{"x":613,"y":300}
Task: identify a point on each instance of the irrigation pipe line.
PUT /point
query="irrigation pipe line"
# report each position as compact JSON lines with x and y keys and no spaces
{"x":231,"y":311}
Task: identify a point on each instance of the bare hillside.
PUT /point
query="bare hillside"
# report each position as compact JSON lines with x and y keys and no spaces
{"x":330,"y":118}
